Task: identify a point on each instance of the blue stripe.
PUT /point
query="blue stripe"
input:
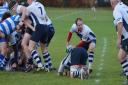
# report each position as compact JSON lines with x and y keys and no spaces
{"x":35,"y":18}
{"x":79,"y":35}
{"x":9,"y":26}
{"x":125,"y":25}
{"x":4,"y":30}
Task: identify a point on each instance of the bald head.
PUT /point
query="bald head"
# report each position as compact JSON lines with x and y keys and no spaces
{"x":114,"y":3}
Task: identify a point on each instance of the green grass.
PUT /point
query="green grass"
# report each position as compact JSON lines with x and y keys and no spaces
{"x":103,"y":28}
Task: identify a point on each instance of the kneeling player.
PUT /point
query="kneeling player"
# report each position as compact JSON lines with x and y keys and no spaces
{"x":78,"y":63}
{"x":75,"y":61}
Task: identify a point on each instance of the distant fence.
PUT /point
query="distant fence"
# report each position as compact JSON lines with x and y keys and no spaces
{"x":74,"y":3}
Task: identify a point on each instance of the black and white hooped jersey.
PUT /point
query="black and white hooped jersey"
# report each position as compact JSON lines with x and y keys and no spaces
{"x":120,"y":14}
{"x":86,"y":34}
{"x":37,"y":13}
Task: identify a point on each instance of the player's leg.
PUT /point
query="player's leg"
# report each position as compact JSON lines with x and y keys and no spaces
{"x":65,"y":64}
{"x":122,"y":55}
{"x":46,"y":53}
{"x":36,"y":37}
{"x":35,"y":54}
{"x":91,"y":49}
{"x":25,"y":43}
{"x":4,"y":52}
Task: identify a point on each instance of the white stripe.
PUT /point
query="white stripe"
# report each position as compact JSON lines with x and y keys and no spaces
{"x":45,"y":54}
{"x":35,"y":55}
{"x":126,"y":63}
{"x":90,"y":58}
{"x":6,"y":27}
{"x":47,"y":58}
{"x":101,"y":68}
{"x":98,"y":74}
{"x":37,"y":59}
{"x":101,"y":61}
{"x":66,"y":15}
{"x":97,"y":80}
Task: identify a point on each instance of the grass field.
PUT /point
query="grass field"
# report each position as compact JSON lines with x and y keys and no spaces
{"x":106,"y":66}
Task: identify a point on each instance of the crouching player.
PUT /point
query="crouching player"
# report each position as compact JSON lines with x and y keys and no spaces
{"x":76,"y":61}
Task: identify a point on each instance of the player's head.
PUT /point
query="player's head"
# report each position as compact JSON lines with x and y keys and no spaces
{"x":14,"y":5}
{"x":30,"y":1}
{"x":5,"y":16}
{"x":79,"y":24}
{"x":114,"y":3}
{"x":1,"y":2}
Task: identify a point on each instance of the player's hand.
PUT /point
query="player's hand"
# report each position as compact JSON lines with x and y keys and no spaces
{"x":69,"y":48}
{"x":67,"y":44}
{"x":21,"y":23}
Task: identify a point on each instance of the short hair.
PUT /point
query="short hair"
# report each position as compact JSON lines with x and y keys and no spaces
{"x":78,"y":19}
{"x":5,"y":16}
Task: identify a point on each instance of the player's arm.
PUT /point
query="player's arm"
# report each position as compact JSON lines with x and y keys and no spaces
{"x":69,"y":38}
{"x":119,"y":33}
{"x":23,"y":10}
{"x":119,"y":25}
{"x":27,"y":23}
{"x":72,"y":29}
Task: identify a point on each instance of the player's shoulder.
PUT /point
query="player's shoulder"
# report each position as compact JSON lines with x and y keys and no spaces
{"x":86,"y":27}
{"x":73,"y":26}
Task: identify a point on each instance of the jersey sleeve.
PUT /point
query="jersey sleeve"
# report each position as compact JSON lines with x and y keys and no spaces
{"x":18,"y":9}
{"x":117,"y":17}
{"x":73,"y":28}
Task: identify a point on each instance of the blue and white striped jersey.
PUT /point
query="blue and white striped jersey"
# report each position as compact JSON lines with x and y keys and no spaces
{"x":120,"y":14}
{"x":9,"y":25}
{"x":3,"y":9}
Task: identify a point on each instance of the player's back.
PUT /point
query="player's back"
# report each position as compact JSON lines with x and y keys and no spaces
{"x":124,"y":11}
{"x":9,"y":24}
{"x":37,"y":13}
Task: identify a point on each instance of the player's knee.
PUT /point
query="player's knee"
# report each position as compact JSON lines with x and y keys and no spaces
{"x":92,"y":47}
{"x":24,"y":45}
{"x":121,"y":57}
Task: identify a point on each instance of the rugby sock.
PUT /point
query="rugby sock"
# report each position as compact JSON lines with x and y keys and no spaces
{"x":30,"y":61}
{"x":47,"y":60}
{"x":2,"y":63}
{"x":76,"y":73}
{"x":90,"y":59}
{"x":124,"y":65}
{"x":37,"y":58}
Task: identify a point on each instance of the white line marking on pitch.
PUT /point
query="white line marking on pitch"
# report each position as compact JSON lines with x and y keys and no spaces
{"x":101,"y":61}
{"x":65,"y":15}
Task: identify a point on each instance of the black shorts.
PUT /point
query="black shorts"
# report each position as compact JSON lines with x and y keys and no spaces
{"x":86,"y":45}
{"x":28,"y":30}
{"x":40,"y":34}
{"x":51,"y":33}
{"x":124,"y":45}
{"x":79,"y":56}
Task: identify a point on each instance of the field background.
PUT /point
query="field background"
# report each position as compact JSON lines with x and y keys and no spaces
{"x":106,"y":66}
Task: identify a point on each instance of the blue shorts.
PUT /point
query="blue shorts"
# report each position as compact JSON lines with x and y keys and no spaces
{"x":40,"y":34}
{"x":3,"y":40}
{"x":86,"y":45}
{"x":124,"y":45}
{"x":79,"y":56}
{"x":51,"y":33}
